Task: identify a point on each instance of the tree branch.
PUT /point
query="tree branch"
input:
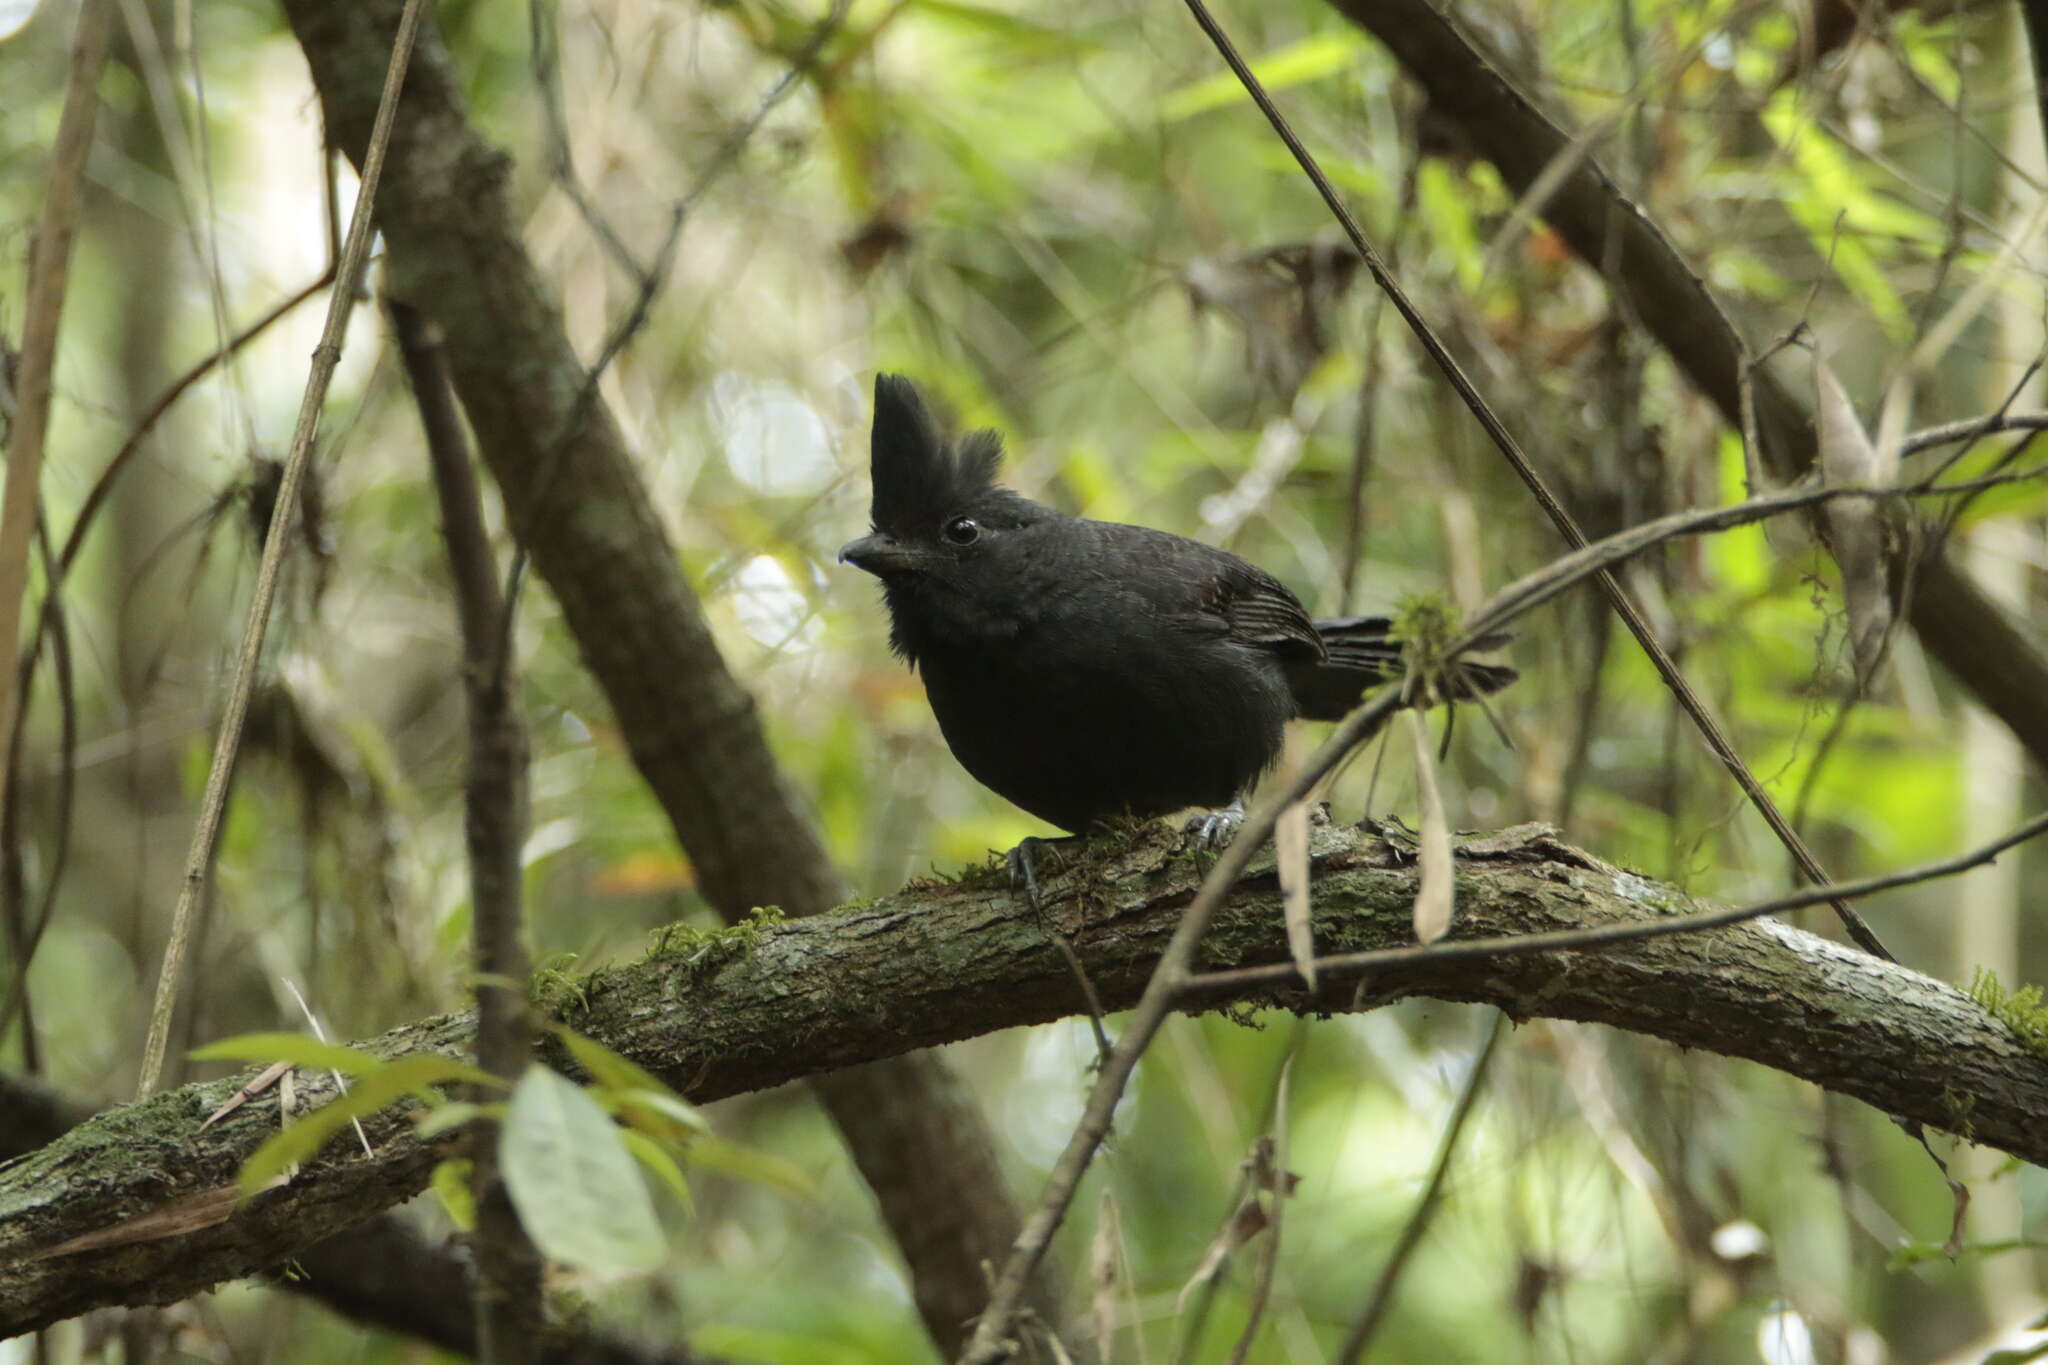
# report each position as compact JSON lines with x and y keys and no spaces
{"x":509,"y":1308}
{"x":1959,"y":625}
{"x":937,"y":963}
{"x":380,"y":1273}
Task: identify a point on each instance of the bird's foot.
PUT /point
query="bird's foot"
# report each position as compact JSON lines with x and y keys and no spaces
{"x":1215,"y":828}
{"x":1023,"y":863}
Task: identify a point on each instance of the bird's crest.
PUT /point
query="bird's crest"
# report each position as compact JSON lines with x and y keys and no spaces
{"x":918,"y":480}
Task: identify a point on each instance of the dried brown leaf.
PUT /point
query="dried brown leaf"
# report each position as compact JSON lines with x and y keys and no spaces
{"x":1435,"y":896}
{"x":270,"y":1076}
{"x":1105,"y":1277}
{"x":205,"y":1209}
{"x":1247,"y":1222}
{"x":1290,"y":846}
{"x":1848,"y":459}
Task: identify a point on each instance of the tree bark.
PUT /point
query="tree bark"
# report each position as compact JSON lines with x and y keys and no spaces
{"x":940,"y":962}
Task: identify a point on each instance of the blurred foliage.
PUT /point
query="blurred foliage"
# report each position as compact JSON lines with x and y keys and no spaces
{"x":1067,"y":224}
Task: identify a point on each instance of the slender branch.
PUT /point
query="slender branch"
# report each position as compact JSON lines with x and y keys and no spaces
{"x":50,"y":619}
{"x":1368,"y":1324}
{"x":649,"y":281}
{"x":103,"y":486}
{"x":24,"y":934}
{"x":49,"y":269}
{"x":1542,"y":585}
{"x":508,"y":1299}
{"x":1970,"y":428}
{"x":1270,"y":1168}
{"x":1694,"y":705}
{"x":205,"y":834}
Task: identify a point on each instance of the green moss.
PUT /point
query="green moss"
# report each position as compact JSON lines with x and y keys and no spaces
{"x":700,"y":949}
{"x":1959,"y":1108}
{"x":556,"y":989}
{"x":2022,"y":1011}
{"x":1425,"y":624}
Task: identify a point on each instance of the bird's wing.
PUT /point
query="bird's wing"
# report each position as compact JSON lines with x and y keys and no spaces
{"x":1205,"y":589}
{"x":1260,"y":611}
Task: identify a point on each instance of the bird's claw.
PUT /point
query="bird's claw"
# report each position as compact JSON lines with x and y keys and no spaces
{"x":1023,"y":864}
{"x":1214,"y":828}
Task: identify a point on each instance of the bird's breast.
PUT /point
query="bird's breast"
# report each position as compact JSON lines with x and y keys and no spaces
{"x":1079,"y":719}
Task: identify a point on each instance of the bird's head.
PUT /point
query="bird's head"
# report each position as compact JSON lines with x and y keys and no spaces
{"x":940,"y":522}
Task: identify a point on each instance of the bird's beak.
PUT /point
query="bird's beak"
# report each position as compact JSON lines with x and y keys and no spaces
{"x":880,"y":555}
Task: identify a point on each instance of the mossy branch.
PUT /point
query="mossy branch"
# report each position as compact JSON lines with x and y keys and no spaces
{"x":941,"y":962}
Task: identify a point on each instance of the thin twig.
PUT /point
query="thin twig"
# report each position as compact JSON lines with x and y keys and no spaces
{"x":1970,"y":428}
{"x":49,"y":269}
{"x":547,"y":74}
{"x":650,"y":280}
{"x":50,"y":624}
{"x":1624,"y":605}
{"x":205,"y":834}
{"x":1368,"y":1324}
{"x":1365,"y":440}
{"x":1543,"y":584}
{"x":495,"y":818}
{"x":103,"y":486}
{"x":1279,"y":1189}
{"x":25,"y":943}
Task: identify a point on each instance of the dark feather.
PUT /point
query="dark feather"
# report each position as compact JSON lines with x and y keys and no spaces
{"x":918,"y":481}
{"x":1262,"y":612}
{"x":1362,"y":654}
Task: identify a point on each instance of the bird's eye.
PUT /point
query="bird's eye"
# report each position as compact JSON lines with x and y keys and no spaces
{"x":963,"y":530}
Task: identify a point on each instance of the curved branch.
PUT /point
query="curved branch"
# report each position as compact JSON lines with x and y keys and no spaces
{"x":940,"y":962}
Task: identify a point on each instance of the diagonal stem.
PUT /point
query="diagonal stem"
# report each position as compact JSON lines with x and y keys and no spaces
{"x":206,"y":831}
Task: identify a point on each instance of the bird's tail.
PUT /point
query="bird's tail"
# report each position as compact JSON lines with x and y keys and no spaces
{"x":1361,"y":655}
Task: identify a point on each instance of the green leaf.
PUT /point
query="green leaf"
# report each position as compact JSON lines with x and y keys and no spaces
{"x":573,"y":1180}
{"x":1311,"y":59}
{"x":631,"y":1091}
{"x":608,"y":1070}
{"x":301,"y":1139}
{"x":654,"y":1155}
{"x":448,"y":1117}
{"x":300,"y":1049}
{"x":450,"y":1184}
{"x":661,"y":1113}
{"x":744,"y":1163}
{"x":1019,"y":36}
{"x":2022,"y":1355}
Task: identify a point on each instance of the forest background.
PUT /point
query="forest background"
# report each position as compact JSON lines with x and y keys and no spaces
{"x":1068,"y":222}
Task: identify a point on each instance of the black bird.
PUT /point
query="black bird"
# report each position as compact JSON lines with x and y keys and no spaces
{"x":1088,"y":669}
